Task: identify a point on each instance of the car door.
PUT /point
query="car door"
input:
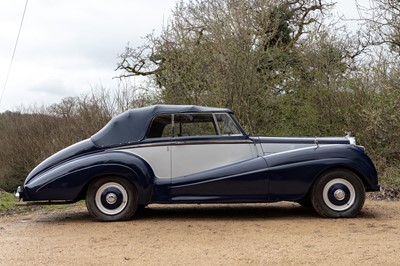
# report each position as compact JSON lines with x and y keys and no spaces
{"x":208,"y":152}
{"x":199,"y":145}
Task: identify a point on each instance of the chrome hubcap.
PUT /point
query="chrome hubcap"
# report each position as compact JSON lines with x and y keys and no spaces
{"x":339,"y":194}
{"x":111,"y":198}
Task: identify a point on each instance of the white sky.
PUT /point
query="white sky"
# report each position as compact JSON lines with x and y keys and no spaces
{"x":67,"y":47}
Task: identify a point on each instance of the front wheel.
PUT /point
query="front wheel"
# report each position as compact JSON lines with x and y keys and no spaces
{"x":112,"y":199}
{"x":338,"y":193}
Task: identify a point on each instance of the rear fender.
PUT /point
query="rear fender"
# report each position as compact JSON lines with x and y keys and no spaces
{"x":69,"y":180}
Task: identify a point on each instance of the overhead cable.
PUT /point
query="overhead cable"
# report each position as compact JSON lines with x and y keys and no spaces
{"x":13,"y":54}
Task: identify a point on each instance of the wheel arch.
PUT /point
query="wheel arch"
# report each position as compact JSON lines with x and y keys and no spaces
{"x":71,"y":179}
{"x":332,"y":168}
{"x":305,"y":200}
{"x":83,"y":192}
{"x":292,"y":174}
{"x":340,"y":167}
{"x":138,"y":172}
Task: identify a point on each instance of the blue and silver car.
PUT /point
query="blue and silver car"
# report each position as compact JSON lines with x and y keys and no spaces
{"x":192,"y":154}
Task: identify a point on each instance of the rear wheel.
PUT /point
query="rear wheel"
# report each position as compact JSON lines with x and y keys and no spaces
{"x":338,"y":193}
{"x":112,"y":199}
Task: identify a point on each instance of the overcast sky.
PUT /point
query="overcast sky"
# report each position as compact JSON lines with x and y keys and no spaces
{"x":67,"y":47}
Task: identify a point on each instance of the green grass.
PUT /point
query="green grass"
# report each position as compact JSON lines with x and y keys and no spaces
{"x":7,"y":202}
{"x":8,"y":206}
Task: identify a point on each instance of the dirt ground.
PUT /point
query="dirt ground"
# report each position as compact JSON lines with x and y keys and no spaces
{"x":251,"y":234}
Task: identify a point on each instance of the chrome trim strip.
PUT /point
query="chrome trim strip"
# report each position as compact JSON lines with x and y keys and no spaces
{"x":184,"y":142}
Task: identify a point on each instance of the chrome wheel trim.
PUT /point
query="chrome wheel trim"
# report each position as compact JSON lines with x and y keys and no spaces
{"x":342,"y":191}
{"x":339,"y":194}
{"x":111,"y":193}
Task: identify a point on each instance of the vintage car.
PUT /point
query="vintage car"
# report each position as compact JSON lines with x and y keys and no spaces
{"x":191,"y":154}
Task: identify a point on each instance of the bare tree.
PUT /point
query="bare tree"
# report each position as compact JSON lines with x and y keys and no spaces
{"x":382,"y":20}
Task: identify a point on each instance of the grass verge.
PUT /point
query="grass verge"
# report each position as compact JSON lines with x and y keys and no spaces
{"x":8,"y":206}
{"x":7,"y":203}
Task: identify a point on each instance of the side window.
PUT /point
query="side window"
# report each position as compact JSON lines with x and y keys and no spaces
{"x":194,"y":125}
{"x":226,"y":125}
{"x":161,"y":127}
{"x":185,"y":125}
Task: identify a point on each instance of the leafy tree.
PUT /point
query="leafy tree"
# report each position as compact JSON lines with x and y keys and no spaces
{"x":230,"y":53}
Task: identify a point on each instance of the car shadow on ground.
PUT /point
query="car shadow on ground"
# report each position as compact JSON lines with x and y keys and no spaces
{"x":226,"y":212}
{"x":243,"y":212}
{"x":239,"y":212}
{"x":192,"y":212}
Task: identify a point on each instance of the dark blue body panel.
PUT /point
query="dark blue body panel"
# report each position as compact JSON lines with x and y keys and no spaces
{"x":78,"y":149}
{"x":245,"y":181}
{"x":70,"y":178}
{"x":291,"y":174}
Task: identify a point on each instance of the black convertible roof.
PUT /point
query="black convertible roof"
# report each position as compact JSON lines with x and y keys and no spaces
{"x":130,"y":126}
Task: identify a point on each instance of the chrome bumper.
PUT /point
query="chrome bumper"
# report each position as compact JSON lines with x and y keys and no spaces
{"x":19,"y":193}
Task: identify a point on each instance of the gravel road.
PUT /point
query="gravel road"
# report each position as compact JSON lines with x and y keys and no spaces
{"x":252,"y":234}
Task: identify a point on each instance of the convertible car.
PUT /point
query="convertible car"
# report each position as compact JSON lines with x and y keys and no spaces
{"x":192,"y":154}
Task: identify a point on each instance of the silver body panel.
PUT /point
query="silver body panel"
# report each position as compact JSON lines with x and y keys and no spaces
{"x":183,"y":159}
{"x":176,"y":159}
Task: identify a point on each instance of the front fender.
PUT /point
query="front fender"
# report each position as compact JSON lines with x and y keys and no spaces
{"x":292,"y":173}
{"x":69,"y":180}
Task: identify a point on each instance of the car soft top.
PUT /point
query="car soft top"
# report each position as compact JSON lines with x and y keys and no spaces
{"x":130,"y":126}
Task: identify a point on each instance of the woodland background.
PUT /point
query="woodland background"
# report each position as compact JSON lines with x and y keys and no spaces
{"x":286,"y":68}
